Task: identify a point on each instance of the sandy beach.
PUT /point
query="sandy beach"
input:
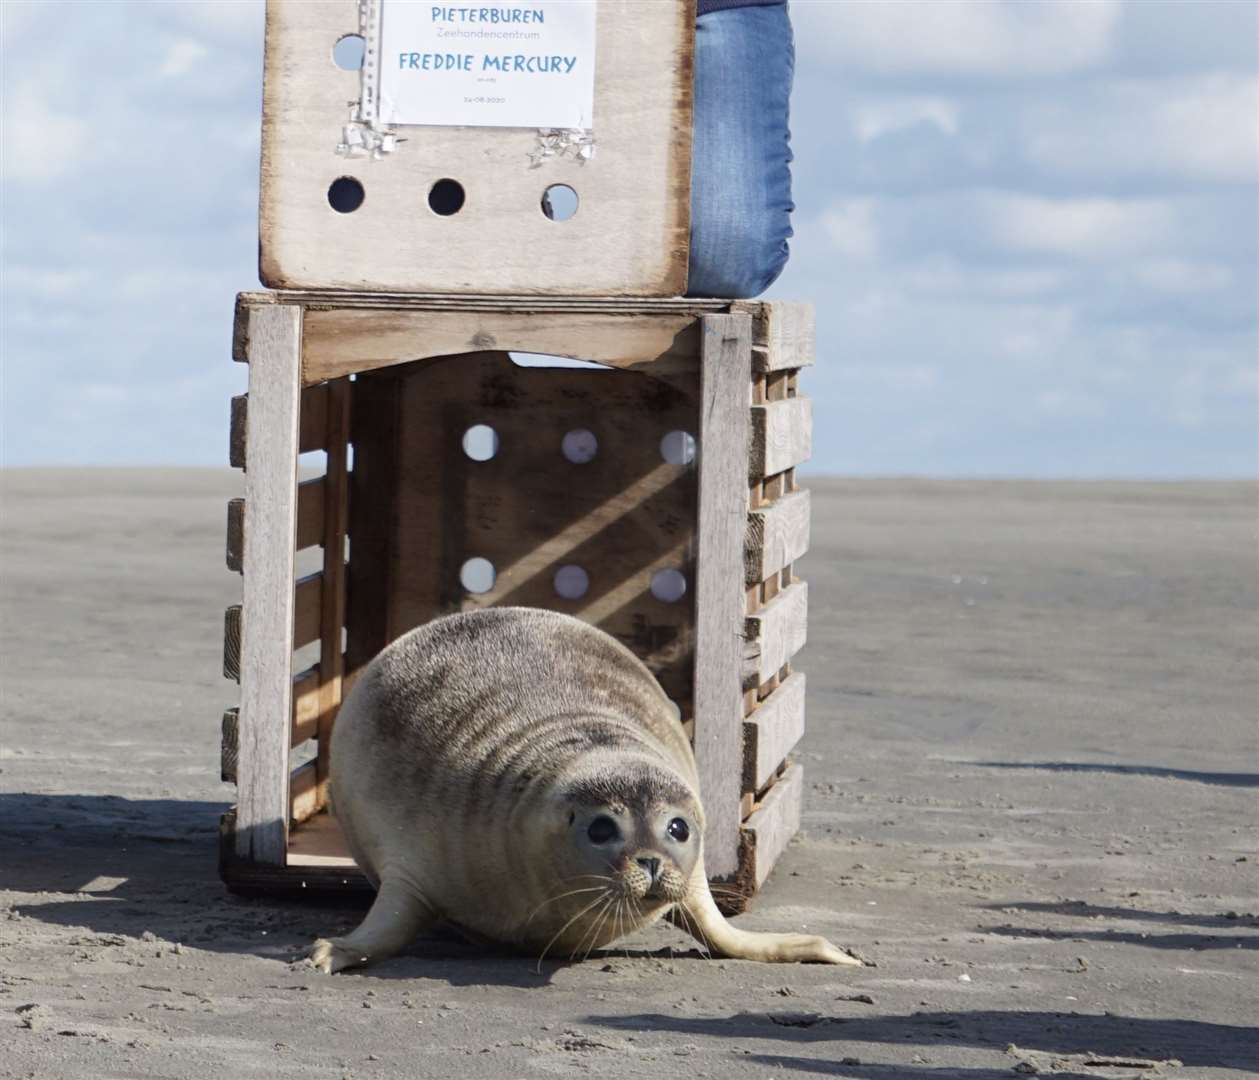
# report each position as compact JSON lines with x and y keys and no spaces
{"x":1032,"y":774}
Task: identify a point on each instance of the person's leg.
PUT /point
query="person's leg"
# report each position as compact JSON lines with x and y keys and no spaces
{"x":740,"y":172}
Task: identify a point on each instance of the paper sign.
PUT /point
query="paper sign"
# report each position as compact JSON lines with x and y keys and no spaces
{"x":492,"y":65}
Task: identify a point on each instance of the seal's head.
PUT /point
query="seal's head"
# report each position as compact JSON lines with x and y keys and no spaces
{"x":637,"y":825}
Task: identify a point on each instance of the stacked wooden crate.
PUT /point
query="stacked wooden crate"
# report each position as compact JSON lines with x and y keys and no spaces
{"x":412,"y":506}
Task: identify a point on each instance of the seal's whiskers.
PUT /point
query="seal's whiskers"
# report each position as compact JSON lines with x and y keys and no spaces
{"x":570,"y":922}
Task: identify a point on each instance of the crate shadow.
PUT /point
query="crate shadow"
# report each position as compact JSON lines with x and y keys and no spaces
{"x":123,"y":868}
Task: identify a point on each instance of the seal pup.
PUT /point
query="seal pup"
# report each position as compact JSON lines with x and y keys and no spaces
{"x":522,"y":775}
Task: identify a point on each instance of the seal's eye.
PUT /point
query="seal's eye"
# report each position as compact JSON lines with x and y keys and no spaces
{"x":602,"y":829}
{"x":679,"y":830}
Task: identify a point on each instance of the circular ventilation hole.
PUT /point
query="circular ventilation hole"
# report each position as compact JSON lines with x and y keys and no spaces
{"x":480,"y":442}
{"x":571,"y":582}
{"x":348,"y":52}
{"x":678,"y":448}
{"x":668,"y":585}
{"x":345,"y":195}
{"x":477,"y":575}
{"x":579,"y":446}
{"x":559,"y":202}
{"x":446,"y":197}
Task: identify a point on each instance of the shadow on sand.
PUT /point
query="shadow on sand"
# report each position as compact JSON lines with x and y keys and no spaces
{"x":1224,"y":779}
{"x":1192,"y":1042}
{"x":131,"y":866}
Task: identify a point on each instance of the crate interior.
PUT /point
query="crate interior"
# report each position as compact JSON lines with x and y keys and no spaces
{"x":477,"y":480}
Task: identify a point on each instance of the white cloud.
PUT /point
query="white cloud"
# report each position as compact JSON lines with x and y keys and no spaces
{"x":1181,"y":277}
{"x":40,"y":143}
{"x":1088,"y":228}
{"x":181,"y":57}
{"x":1202,"y":127}
{"x":1070,"y":403}
{"x":221,"y":19}
{"x":1002,"y":38}
{"x":873,"y":117}
{"x":850,"y":226}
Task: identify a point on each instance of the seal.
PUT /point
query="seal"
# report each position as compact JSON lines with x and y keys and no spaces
{"x":522,"y":775}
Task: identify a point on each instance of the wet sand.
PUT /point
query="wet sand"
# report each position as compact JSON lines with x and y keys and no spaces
{"x":1032,"y":773}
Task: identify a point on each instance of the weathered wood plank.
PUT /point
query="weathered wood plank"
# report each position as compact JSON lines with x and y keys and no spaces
{"x":231,"y":643}
{"x":235,"y":547}
{"x":345,"y":341}
{"x":310,"y":523}
{"x":725,"y":376}
{"x":775,"y":821}
{"x":332,"y":600}
{"x":308,"y":609}
{"x":229,"y":745}
{"x":329,"y":299}
{"x":312,"y":433}
{"x":374,"y":481}
{"x":267,"y":632}
{"x":775,"y":634}
{"x":253,"y":879}
{"x":782,"y":332}
{"x":305,"y":705}
{"x":236,"y":432}
{"x":313,"y":429}
{"x":303,"y":792}
{"x":310,"y":512}
{"x":771,"y":731}
{"x":782,"y":436}
{"x":777,"y":535}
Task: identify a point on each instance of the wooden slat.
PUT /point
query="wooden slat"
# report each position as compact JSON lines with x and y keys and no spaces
{"x":303,"y":793}
{"x":350,"y":300}
{"x":229,"y":745}
{"x":777,"y":535}
{"x":332,"y":610}
{"x":312,"y":434}
{"x":374,"y":482}
{"x":782,"y":436}
{"x":235,"y":549}
{"x":310,"y":513}
{"x":725,"y":375}
{"x":236,"y":432}
{"x":775,"y":633}
{"x":262,"y":809}
{"x":231,"y":643}
{"x":310,"y":523}
{"x":783,"y":335}
{"x":343,"y":341}
{"x":771,"y":731}
{"x":305,"y":705}
{"x":307,"y":609}
{"x":775,"y":821}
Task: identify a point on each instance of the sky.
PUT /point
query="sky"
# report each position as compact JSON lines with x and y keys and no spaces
{"x":1030,"y":230}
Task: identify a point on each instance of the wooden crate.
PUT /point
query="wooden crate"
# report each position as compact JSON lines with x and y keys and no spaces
{"x":395,"y":384}
{"x":629,"y":236}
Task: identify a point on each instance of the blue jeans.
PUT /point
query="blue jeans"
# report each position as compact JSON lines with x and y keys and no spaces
{"x":740,"y":172}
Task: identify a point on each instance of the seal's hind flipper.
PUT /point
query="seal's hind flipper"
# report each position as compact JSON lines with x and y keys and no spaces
{"x":396,"y":916}
{"x":701,"y":919}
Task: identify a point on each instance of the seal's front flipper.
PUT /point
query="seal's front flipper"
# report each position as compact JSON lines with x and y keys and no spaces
{"x":398,"y":914}
{"x":707,"y":925}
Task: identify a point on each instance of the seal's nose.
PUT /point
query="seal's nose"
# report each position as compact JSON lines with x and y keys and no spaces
{"x":652,"y":866}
